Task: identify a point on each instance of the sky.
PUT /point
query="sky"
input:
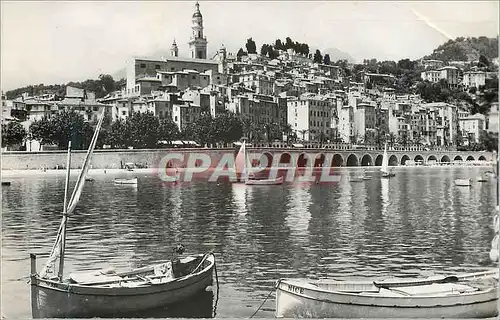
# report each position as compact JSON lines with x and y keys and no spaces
{"x":57,"y":42}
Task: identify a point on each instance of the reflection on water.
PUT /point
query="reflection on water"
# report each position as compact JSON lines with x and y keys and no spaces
{"x":415,"y":223}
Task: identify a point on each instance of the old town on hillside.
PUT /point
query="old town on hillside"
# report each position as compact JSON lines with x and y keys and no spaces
{"x":283,"y":94}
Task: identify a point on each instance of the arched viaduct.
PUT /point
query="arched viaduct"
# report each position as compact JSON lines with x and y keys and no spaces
{"x":355,"y":158}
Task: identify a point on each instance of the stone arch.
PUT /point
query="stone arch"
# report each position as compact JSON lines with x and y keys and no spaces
{"x":337,"y":160}
{"x":470,"y":158}
{"x":481,"y":158}
{"x":378,"y":160}
{"x":266,"y":156}
{"x":285,"y":158}
{"x":418,"y":158}
{"x":366,"y":160}
{"x":393,"y":160}
{"x":431,"y":157}
{"x":445,"y":158}
{"x":352,"y":160}
{"x":319,"y":160}
{"x":458,"y":158}
{"x":303,"y":160}
{"x":404,"y":158}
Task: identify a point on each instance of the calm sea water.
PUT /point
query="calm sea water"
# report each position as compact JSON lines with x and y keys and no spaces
{"x":414,"y":224}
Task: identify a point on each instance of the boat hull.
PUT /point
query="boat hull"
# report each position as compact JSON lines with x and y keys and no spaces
{"x":64,"y":300}
{"x":125,"y":181}
{"x":265,"y":182}
{"x":295,"y":301}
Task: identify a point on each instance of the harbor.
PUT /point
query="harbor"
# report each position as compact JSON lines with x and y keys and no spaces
{"x":417,"y":223}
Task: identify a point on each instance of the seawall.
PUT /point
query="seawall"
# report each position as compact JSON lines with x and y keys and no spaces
{"x":101,"y":159}
{"x":155,"y":158}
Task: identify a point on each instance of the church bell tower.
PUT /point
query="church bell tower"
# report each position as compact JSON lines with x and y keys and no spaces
{"x":197,"y":43}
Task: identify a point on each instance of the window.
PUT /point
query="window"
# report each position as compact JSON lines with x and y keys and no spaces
{"x":124,"y":113}
{"x":143,"y":65}
{"x":157,"y":66}
{"x":175,"y":119}
{"x":172,"y":69}
{"x":200,"y":54}
{"x":194,"y":77}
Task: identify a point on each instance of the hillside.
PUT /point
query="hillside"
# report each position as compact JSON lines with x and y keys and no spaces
{"x":466,"y":49}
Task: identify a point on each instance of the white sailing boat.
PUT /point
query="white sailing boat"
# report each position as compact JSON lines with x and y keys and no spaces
{"x":102,"y":293}
{"x":384,"y":170}
{"x":244,"y":173}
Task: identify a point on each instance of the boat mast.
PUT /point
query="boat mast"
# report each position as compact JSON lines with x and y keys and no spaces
{"x":65,"y":216}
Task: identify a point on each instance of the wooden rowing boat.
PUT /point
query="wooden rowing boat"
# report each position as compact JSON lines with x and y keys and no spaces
{"x":105,"y":294}
{"x":264,"y":182}
{"x":463,"y":182}
{"x":471,"y":295}
{"x":126,"y":181}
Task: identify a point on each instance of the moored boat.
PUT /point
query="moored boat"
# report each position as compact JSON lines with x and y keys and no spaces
{"x":471,"y":295}
{"x":5,"y":183}
{"x":126,"y":181}
{"x":104,"y":294}
{"x":384,"y":169}
{"x":463,"y":182}
{"x":264,"y":182}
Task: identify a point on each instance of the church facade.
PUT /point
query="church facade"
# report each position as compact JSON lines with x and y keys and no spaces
{"x":148,"y":74}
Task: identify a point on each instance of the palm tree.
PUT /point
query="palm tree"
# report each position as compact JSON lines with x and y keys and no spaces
{"x":303,"y":133}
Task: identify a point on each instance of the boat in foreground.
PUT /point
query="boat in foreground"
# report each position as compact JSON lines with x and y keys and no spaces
{"x":104,"y":294}
{"x":463,"y":182}
{"x":473,"y":295}
{"x":126,"y":181}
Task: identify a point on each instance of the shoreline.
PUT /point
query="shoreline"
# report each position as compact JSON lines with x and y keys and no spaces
{"x":141,"y":171}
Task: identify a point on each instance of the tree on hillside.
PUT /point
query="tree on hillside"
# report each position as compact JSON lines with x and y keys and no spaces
{"x":240,"y":54}
{"x":318,"y":58}
{"x":251,"y":47}
{"x":107,"y":83}
{"x":264,"y":49}
{"x":326,"y":59}
{"x":279,"y":45}
{"x":483,"y":62}
{"x":13,"y":133}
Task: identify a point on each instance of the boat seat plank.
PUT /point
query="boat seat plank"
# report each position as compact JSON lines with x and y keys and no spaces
{"x":94,"y":278}
{"x":437,"y":289}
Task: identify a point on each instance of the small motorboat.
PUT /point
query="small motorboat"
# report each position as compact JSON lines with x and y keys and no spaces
{"x":5,"y":183}
{"x":126,"y":181}
{"x":89,"y":179}
{"x":472,"y":295}
{"x":463,"y":182}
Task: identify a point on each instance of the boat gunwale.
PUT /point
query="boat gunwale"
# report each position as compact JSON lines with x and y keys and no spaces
{"x":376,"y":305}
{"x":363,"y":295}
{"x":389,"y":306}
{"x":143,"y":289}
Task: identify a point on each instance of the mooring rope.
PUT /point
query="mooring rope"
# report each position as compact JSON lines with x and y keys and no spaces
{"x":217,"y":282}
{"x":269,"y":294}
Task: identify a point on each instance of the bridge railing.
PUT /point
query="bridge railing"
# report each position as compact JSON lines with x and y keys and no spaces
{"x":334,"y":146}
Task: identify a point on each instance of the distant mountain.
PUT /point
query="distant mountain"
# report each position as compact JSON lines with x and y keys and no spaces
{"x":336,"y":54}
{"x":466,"y":49}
